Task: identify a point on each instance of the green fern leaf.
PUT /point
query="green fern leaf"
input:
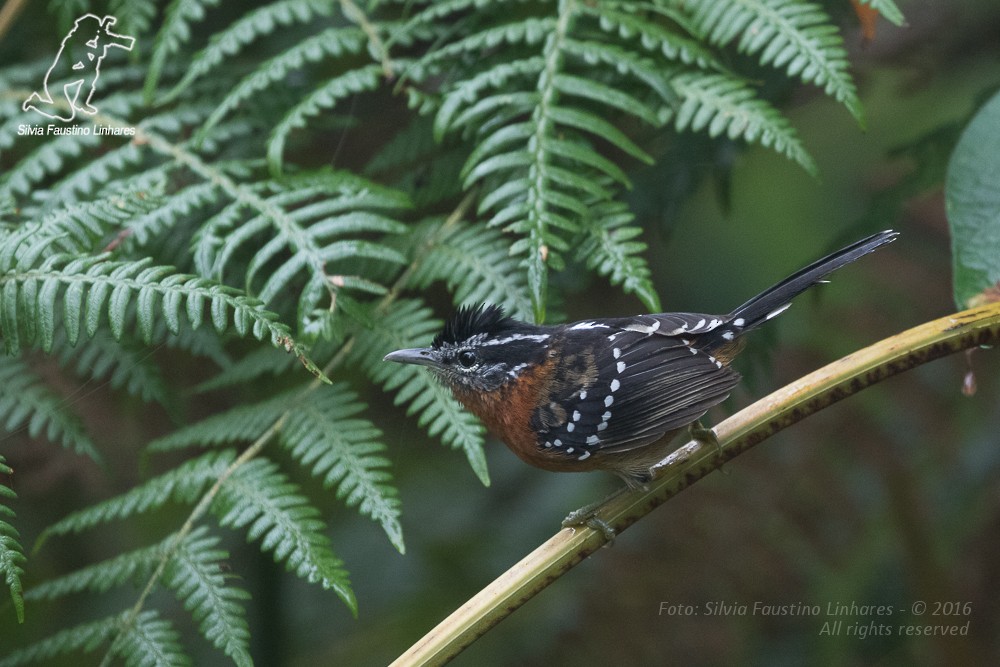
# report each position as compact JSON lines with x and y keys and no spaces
{"x":134,"y":16}
{"x":243,"y":423}
{"x":330,"y":43}
{"x":792,"y":34}
{"x":261,"y":499}
{"x":309,"y":215}
{"x":85,"y":637}
{"x":196,"y":577}
{"x":324,"y":97}
{"x":239,"y":34}
{"x":27,"y":402}
{"x":122,"y":365}
{"x":252,"y":366}
{"x":475,"y":264}
{"x":111,"y":286}
{"x":721,"y":105}
{"x":183,"y":484}
{"x":344,"y":451}
{"x":610,"y":249}
{"x":149,"y":640}
{"x":45,"y":161}
{"x":104,"y":576}
{"x":11,"y":553}
{"x":172,"y":35}
{"x":408,"y":324}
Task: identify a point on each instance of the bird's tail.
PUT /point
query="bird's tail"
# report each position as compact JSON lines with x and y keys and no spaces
{"x":775,"y":300}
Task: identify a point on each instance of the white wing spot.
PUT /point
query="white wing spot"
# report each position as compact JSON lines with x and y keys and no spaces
{"x":616,"y":352}
{"x":777,"y":311}
{"x":621,"y":367}
{"x":602,"y":426}
{"x":583,"y":394}
{"x":583,"y":456}
{"x":548,"y":444}
{"x":714,"y":323}
{"x":728,"y":335}
{"x":700,"y":324}
{"x":576,"y":415}
{"x":588,"y":325}
{"x":557,"y":442}
{"x":606,"y":416}
{"x":569,"y":451}
{"x":739,"y":321}
{"x":694,"y":351}
{"x":570,"y":426}
{"x":593,"y":439}
{"x":608,"y":401}
{"x":615,"y":384}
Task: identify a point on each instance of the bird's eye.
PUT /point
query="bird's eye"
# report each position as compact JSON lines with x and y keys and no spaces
{"x":467,"y":359}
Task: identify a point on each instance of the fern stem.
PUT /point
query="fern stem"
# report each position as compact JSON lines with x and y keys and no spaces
{"x":695,"y":460}
{"x":204,"y":503}
{"x":356,"y":15}
{"x":538,"y":177}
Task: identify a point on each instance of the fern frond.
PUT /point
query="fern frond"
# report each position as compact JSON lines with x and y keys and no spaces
{"x":182,"y":484}
{"x":26,"y":400}
{"x":721,"y":105}
{"x":196,"y":577}
{"x":323,"y":433}
{"x":134,"y":16}
{"x":149,"y":640}
{"x":85,"y":637}
{"x":44,"y":162}
{"x":123,"y":366}
{"x":308,"y":215}
{"x":792,"y":34}
{"x":84,"y":228}
{"x":101,"y":577}
{"x":330,"y":43}
{"x":611,"y":250}
{"x":180,"y":204}
{"x":408,"y":324}
{"x":476,"y":265}
{"x":101,"y":170}
{"x":622,"y":18}
{"x":258,"y":497}
{"x":322,"y":98}
{"x":243,"y":423}
{"x":30,"y":293}
{"x":251,"y":366}
{"x":245,"y":30}
{"x":11,"y":552}
{"x":174,"y":32}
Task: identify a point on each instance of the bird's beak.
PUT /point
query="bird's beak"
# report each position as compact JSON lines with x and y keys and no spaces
{"x":421,"y":356}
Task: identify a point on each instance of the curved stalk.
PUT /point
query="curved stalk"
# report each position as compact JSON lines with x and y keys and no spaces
{"x":695,"y":460}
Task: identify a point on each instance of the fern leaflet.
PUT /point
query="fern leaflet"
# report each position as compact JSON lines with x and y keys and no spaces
{"x":198,"y":580}
{"x":261,"y":499}
{"x":11,"y":553}
{"x":324,"y":433}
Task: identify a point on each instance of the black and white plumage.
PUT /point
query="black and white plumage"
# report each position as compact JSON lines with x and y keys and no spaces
{"x":604,"y":393}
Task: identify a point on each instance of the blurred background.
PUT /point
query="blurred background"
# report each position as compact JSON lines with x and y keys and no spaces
{"x":889,"y":498}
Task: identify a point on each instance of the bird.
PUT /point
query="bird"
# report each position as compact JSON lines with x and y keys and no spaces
{"x":605,"y":394}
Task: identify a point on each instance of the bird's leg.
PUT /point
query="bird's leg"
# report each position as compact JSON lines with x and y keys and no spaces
{"x":587,"y":516}
{"x":704,"y":435}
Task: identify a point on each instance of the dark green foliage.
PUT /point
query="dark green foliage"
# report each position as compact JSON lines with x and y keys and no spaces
{"x":232,"y":203}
